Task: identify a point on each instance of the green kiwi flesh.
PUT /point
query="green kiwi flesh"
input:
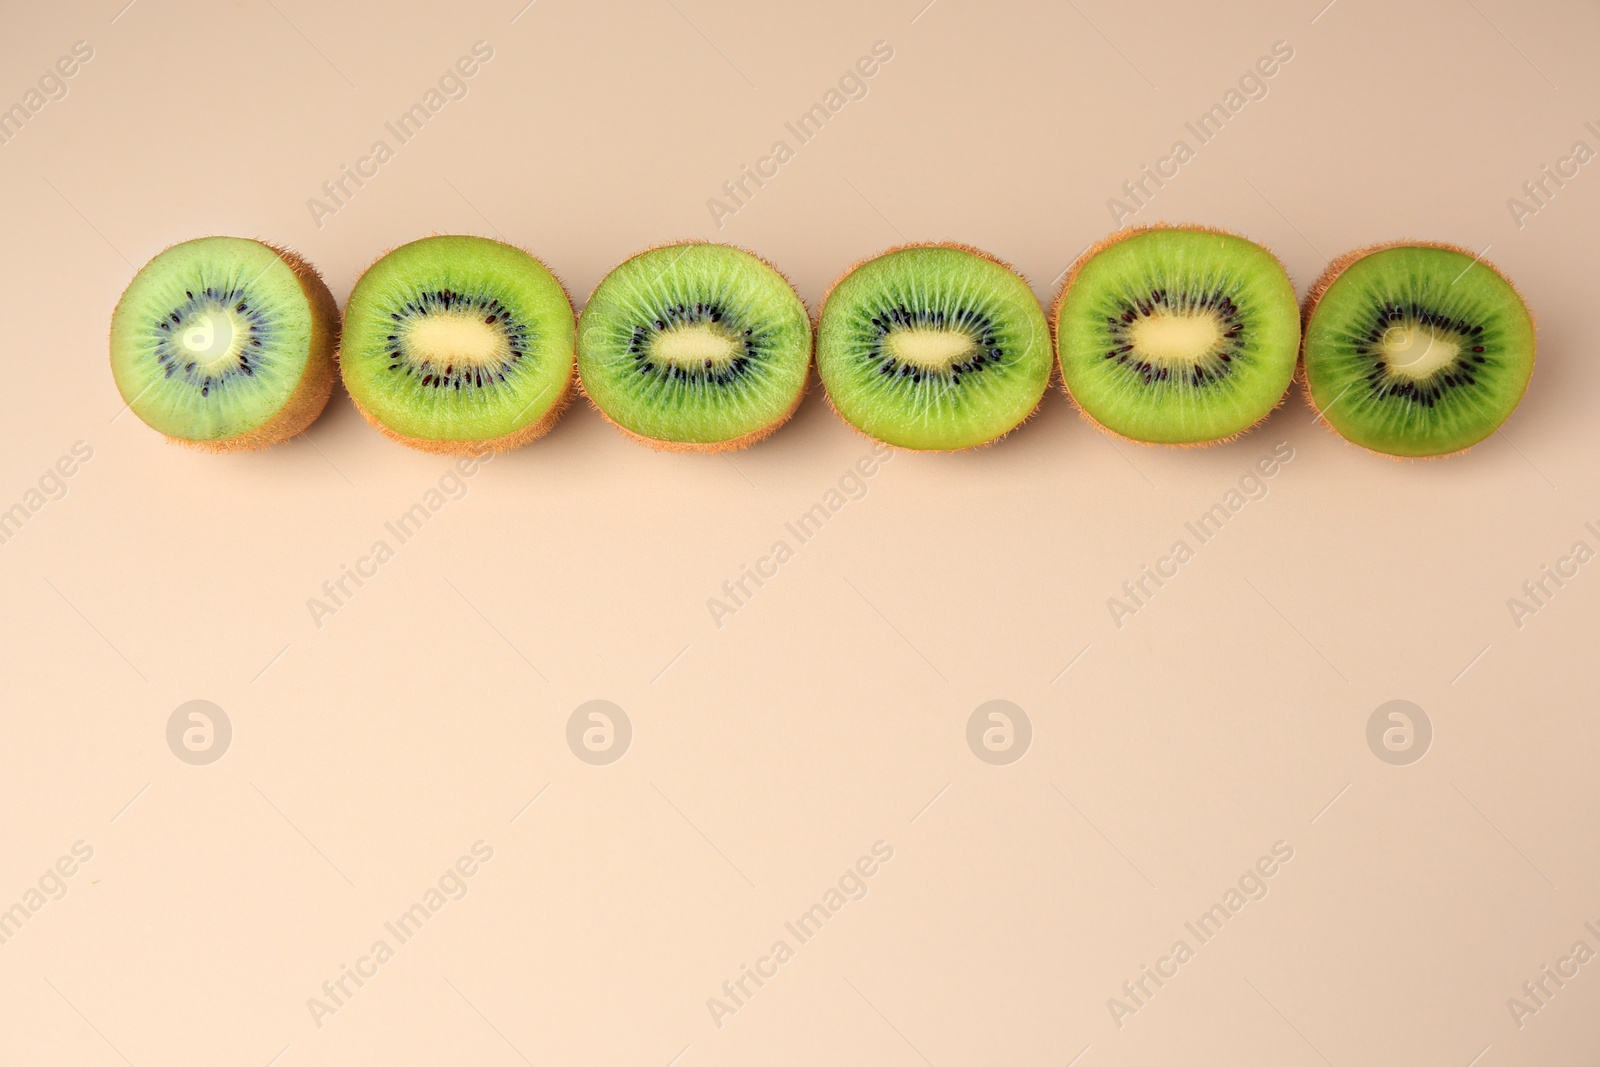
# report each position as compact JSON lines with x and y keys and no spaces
{"x":1177,"y":335}
{"x":1416,"y":350}
{"x":225,"y":344}
{"x":933,"y":347}
{"x":459,"y":344}
{"x":695,"y":347}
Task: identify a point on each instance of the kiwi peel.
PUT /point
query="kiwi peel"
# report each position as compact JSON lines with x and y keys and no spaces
{"x":1176,"y":334}
{"x":1415,"y":349}
{"x":459,"y":345}
{"x":933,"y":347}
{"x":695,"y":347}
{"x":225,"y":344}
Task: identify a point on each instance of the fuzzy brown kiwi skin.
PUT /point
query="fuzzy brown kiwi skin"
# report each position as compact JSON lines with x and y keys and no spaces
{"x":315,"y":386}
{"x":816,"y":332}
{"x":708,"y":448}
{"x":495,"y":445}
{"x":1320,"y":288}
{"x":1055,"y":331}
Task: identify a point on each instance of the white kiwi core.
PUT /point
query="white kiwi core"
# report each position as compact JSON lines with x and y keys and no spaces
{"x":1167,"y":337}
{"x":212,"y":336}
{"x":695,"y":344}
{"x":1415,"y":351}
{"x":932,"y":349}
{"x":457,"y":337}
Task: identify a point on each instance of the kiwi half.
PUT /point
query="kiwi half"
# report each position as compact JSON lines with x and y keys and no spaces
{"x":1177,"y":335}
{"x":695,"y":347}
{"x":225,"y":344}
{"x":1416,"y":349}
{"x":933,"y":347}
{"x":459,"y":345}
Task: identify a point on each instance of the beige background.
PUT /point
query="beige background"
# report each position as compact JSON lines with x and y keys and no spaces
{"x":830,"y":712}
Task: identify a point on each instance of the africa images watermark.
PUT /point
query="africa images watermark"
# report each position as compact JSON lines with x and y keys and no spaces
{"x":449,"y":886}
{"x":850,"y":886}
{"x":1152,"y":177}
{"x":1399,"y":732}
{"x":51,"y":487}
{"x":851,"y":486}
{"x":50,"y":87}
{"x":1538,"y":991}
{"x":999,"y":732}
{"x":199,"y":732}
{"x":1540,"y":590}
{"x":599,"y":732}
{"x":340,"y":590}
{"x":337,"y":192}
{"x":1138,"y":592}
{"x":50,"y":886}
{"x":1251,"y":887}
{"x":1539,"y":191}
{"x":852,"y":86}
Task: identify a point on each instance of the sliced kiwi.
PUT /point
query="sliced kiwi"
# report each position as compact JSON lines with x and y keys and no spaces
{"x":1416,"y":349}
{"x":459,"y":344}
{"x":225,"y":344}
{"x":695,"y":347}
{"x":1177,"y":335}
{"x":933,"y":347}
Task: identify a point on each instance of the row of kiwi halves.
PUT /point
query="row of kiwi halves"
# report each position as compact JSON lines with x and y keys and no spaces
{"x":1166,"y":335}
